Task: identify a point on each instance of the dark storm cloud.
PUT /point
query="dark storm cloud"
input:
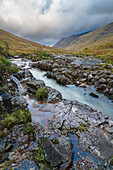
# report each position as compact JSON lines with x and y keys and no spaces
{"x":46,"y":21}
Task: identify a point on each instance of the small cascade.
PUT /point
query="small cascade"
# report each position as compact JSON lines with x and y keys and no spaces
{"x":19,"y":85}
{"x":27,"y":64}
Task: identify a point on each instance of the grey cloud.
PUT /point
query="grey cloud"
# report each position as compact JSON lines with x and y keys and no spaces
{"x":46,"y":21}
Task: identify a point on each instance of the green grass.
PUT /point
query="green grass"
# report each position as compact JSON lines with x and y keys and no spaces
{"x":5,"y":61}
{"x":5,"y":64}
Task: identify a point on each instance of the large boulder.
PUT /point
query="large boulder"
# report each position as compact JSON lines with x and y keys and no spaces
{"x":61,"y":79}
{"x":34,"y":85}
{"x":20,"y":75}
{"x":102,"y":81}
{"x":23,"y":74}
{"x":6,"y":101}
{"x":52,"y":154}
{"x":53,"y":95}
{"x":45,"y":65}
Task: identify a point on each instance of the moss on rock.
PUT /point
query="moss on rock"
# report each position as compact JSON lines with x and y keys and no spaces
{"x":17,"y":117}
{"x":42,"y":93}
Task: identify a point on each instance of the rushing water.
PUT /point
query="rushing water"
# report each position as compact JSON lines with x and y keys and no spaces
{"x":73,"y":92}
{"x":20,"y":87}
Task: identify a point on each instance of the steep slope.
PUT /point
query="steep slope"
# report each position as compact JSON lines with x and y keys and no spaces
{"x":17,"y":45}
{"x":64,"y":42}
{"x":100,"y":36}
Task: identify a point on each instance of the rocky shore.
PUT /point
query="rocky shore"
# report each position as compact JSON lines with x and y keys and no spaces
{"x":28,"y":144}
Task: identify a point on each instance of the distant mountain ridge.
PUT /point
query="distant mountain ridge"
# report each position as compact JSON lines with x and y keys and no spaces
{"x":99,"y":36}
{"x":64,"y":42}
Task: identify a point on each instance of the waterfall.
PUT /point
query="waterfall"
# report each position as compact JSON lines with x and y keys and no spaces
{"x":19,"y":85}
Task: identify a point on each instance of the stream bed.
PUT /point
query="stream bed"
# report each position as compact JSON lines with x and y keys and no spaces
{"x":79,"y":94}
{"x":70,"y":92}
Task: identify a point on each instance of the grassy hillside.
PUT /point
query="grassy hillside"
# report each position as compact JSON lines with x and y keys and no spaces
{"x":104,"y":51}
{"x":100,"y":36}
{"x":97,"y":43}
{"x":17,"y":45}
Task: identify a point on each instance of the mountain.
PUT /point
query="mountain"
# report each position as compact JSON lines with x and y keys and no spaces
{"x":99,"y":36}
{"x":18,"y":45}
{"x":64,"y":42}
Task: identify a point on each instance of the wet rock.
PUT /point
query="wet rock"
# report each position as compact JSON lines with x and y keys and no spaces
{"x":19,"y":101}
{"x":52,"y":155}
{"x":90,"y":77}
{"x":53,"y":95}
{"x":65,"y":166}
{"x":2,"y":147}
{"x":83,"y":85}
{"x":94,"y":95}
{"x":84,"y":74}
{"x":111,"y":76}
{"x":31,"y":90}
{"x":34,"y":64}
{"x":45,"y":65}
{"x":109,"y":129}
{"x":36,"y":84}
{"x":111,"y":83}
{"x":102,"y":81}
{"x":61,"y":79}
{"x":64,"y":117}
{"x":87,"y":68}
{"x":11,"y":156}
{"x":49,"y":74}
{"x":102,"y":87}
{"x":95,"y":142}
{"x":108,"y":66}
{"x":27,"y":165}
{"x":20,"y":75}
{"x":65,"y":147}
{"x":6,"y":99}
{"x":33,"y":147}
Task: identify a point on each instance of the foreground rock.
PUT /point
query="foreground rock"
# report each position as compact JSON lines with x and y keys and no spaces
{"x":34,"y":85}
{"x":53,"y":156}
{"x":6,"y":104}
{"x":89,"y":124}
{"x":26,"y":145}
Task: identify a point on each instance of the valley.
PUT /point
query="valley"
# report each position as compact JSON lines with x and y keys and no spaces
{"x":56,"y":105}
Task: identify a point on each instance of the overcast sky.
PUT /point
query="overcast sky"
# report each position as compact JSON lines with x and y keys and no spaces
{"x":46,"y":21}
